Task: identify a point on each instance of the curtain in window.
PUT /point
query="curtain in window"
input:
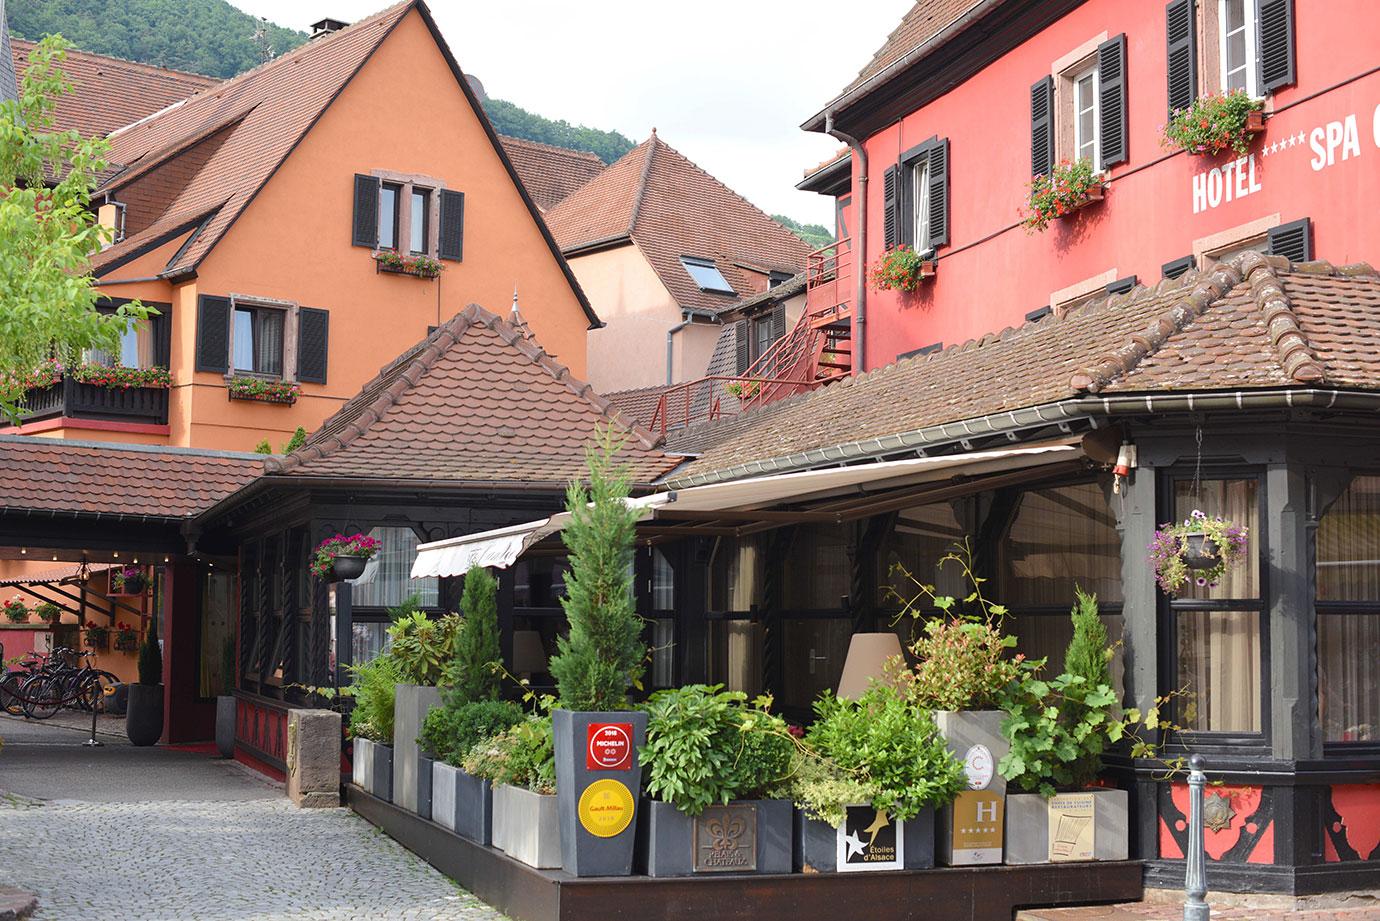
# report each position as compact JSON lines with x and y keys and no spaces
{"x":735,"y":655}
{"x":735,"y":581}
{"x":816,"y":573}
{"x":1059,"y":540}
{"x":135,"y":350}
{"x":386,"y":580}
{"x":1348,"y":570}
{"x":921,"y":537}
{"x":258,"y":340}
{"x":1219,"y":668}
{"x":663,"y":582}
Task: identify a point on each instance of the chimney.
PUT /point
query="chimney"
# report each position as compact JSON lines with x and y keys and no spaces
{"x":326,"y":27}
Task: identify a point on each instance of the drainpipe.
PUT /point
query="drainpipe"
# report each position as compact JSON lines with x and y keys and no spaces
{"x":671,"y":349}
{"x":859,"y":243}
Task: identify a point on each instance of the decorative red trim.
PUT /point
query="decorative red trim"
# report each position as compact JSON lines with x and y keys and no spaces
{"x":262,"y":767}
{"x":98,"y":425}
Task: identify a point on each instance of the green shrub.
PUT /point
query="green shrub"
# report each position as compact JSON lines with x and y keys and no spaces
{"x":373,"y":687}
{"x":1089,"y":654}
{"x":471,"y":674}
{"x":521,"y":756}
{"x":150,"y":660}
{"x":423,"y":648}
{"x":450,"y":732}
{"x":705,"y":745}
{"x":821,"y":788}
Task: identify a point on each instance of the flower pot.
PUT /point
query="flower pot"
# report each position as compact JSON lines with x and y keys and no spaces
{"x":1090,"y":824}
{"x":970,"y":830}
{"x":527,"y":826}
{"x":127,"y":642}
{"x":1255,"y":121}
{"x":134,"y":585}
{"x":462,"y":803}
{"x":597,"y":779}
{"x":745,"y":836}
{"x":372,"y":768}
{"x":1199,"y":552}
{"x":348,"y":567}
{"x":898,"y":845}
{"x":410,"y":705}
{"x":225,"y":725}
{"x":144,"y":717}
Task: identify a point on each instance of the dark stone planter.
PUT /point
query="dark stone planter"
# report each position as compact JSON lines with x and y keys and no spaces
{"x":424,"y":776}
{"x":816,"y":845}
{"x":462,"y":803}
{"x":144,"y":719}
{"x":225,"y":726}
{"x":748,"y":836}
{"x":348,"y":567}
{"x":598,"y":840}
{"x":372,"y":768}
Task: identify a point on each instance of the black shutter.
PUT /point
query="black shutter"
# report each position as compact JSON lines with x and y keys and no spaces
{"x":778,"y":322}
{"x":366,"y":231}
{"x":1181,"y":37}
{"x":213,"y":334}
{"x":1276,"y":43}
{"x":452,"y":237}
{"x":161,"y":326}
{"x":939,"y":194}
{"x":1177,"y":267}
{"x":740,"y":335}
{"x":1042,"y":127}
{"x":1291,"y":240}
{"x":313,"y":326}
{"x":889,"y":217}
{"x":1111,"y":93}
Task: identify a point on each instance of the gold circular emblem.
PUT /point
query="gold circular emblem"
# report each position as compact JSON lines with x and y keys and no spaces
{"x":606,"y":808}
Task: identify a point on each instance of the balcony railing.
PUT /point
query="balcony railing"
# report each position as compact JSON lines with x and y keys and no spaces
{"x":76,"y":400}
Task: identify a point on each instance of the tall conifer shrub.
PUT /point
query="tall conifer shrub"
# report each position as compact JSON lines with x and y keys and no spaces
{"x":473,"y":675}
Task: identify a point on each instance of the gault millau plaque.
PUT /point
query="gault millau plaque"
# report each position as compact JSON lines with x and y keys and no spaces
{"x":726,"y":839}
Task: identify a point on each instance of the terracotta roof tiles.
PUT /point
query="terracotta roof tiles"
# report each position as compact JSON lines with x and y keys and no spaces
{"x":550,"y":173}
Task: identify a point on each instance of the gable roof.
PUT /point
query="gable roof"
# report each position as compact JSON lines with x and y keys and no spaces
{"x":550,"y":173}
{"x":1256,"y":323}
{"x":670,"y":208}
{"x":477,"y":401}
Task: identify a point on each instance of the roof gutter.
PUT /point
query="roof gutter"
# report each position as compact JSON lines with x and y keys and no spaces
{"x":937,"y":437}
{"x":859,"y":332}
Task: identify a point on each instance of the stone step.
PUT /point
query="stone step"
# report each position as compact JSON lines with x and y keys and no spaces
{"x":16,"y":904}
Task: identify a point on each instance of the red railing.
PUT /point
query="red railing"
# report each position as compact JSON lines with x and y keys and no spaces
{"x":706,"y":399}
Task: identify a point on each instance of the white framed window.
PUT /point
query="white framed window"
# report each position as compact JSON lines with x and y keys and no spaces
{"x":261,"y":333}
{"x":1239,"y":46}
{"x":1085,"y":115}
{"x":920,"y":205}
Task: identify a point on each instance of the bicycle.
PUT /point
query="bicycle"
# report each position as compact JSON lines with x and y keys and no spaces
{"x":55,"y":686}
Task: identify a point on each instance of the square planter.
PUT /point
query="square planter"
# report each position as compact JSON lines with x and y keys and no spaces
{"x":372,"y":768}
{"x":907,"y":847}
{"x":410,"y":706}
{"x":1028,"y":824}
{"x":462,"y":803}
{"x":425,"y":774}
{"x":597,"y":781}
{"x":970,"y":830}
{"x":527,"y":826}
{"x":746,"y":836}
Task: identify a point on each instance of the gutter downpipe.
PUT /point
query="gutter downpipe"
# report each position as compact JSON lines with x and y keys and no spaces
{"x":860,"y":250}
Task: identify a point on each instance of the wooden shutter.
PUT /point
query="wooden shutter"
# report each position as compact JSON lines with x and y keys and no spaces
{"x":213,"y":334}
{"x":161,"y":326}
{"x":1042,"y":126}
{"x":741,"y":334}
{"x":1276,"y":43}
{"x":889,"y":217}
{"x":1181,"y":53}
{"x":778,"y":322}
{"x":1111,"y":100}
{"x":939,"y":195}
{"x":452,"y":237}
{"x":366,"y":231}
{"x":1291,"y":240}
{"x":313,"y":326}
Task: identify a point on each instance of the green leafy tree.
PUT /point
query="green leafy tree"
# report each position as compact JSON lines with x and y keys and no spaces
{"x":471,"y":675}
{"x":1089,"y":654}
{"x":817,"y":235}
{"x":604,"y":654}
{"x":515,"y":121}
{"x":48,"y":301}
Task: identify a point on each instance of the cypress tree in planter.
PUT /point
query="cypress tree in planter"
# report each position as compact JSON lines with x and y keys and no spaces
{"x":596,"y":736}
{"x":144,"y":718}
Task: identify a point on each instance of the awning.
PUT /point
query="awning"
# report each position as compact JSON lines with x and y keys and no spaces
{"x":504,"y":546}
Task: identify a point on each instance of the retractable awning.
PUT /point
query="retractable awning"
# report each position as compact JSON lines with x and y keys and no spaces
{"x":504,"y":546}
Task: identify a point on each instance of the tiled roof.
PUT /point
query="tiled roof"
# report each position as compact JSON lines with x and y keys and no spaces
{"x":476,"y":401}
{"x":550,"y":173}
{"x":109,"y":93}
{"x":926,"y":20}
{"x":638,"y":404}
{"x":1255,"y":323}
{"x":672,"y":208}
{"x":52,"y":475}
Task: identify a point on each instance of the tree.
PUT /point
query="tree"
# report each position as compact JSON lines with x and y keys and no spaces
{"x":817,"y":235}
{"x":1089,"y":653}
{"x":48,"y":301}
{"x":472,"y":676}
{"x":604,"y":654}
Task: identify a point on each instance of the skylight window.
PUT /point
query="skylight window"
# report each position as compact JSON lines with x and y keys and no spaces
{"x":706,"y":275}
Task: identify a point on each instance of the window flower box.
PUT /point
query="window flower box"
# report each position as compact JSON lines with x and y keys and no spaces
{"x":126,"y":638}
{"x":1216,"y":123}
{"x":96,"y":636}
{"x":386,"y":260}
{"x":92,"y":391}
{"x":258,"y":390}
{"x":1069,"y":187}
{"x":902,"y":269}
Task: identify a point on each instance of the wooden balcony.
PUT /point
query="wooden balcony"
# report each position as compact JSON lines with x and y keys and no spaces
{"x":74,"y":400}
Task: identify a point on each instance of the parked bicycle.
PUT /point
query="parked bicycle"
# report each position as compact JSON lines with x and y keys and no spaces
{"x":65,"y":679}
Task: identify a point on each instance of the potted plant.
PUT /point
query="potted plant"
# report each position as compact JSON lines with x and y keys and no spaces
{"x":48,"y":612}
{"x":1198,"y":549}
{"x":259,"y":390}
{"x":1068,"y":187}
{"x":712,"y":762}
{"x":1216,"y":122}
{"x":901,"y":268}
{"x":373,"y":686}
{"x":421,"y":648}
{"x":461,"y":801}
{"x":127,"y":580}
{"x":343,"y":557}
{"x":126,"y":637}
{"x":865,"y":795}
{"x":95,"y":636}
{"x":520,"y":764}
{"x":144,"y":716}
{"x":387,"y":260}
{"x":743,"y":390}
{"x":15,"y":612}
{"x":597,"y":736}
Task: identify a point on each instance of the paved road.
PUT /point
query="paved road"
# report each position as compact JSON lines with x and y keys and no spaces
{"x":126,"y":834}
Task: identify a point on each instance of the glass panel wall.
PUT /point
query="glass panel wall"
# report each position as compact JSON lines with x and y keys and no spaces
{"x":1348,"y":614}
{"x":386,"y":580}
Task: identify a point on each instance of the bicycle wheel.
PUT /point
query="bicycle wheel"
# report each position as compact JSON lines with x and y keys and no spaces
{"x":10,"y":700}
{"x":42,"y":696}
{"x":91,"y":694}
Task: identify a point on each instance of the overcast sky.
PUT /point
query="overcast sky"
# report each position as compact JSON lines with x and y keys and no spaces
{"x":725,"y":82}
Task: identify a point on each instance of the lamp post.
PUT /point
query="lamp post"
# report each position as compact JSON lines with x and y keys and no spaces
{"x":1195,"y":879}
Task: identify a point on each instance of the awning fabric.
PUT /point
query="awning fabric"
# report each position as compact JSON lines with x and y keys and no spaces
{"x":504,"y":546}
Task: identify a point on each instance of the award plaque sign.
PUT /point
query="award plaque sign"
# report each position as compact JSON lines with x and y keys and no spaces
{"x":726,"y":839}
{"x":1071,"y":826}
{"x":869,"y":839}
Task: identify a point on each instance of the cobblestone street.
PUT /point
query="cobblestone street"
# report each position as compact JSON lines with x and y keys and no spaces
{"x":251,"y":857}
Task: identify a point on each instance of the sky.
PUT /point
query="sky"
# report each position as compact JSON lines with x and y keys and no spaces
{"x":725,"y":82}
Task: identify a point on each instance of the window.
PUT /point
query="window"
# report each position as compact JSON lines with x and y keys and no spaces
{"x":778,"y":278}
{"x":420,"y":221}
{"x":707,"y":275}
{"x":386,"y":580}
{"x":136,"y":348}
{"x":1239,"y":30}
{"x":763,"y":335}
{"x":257,"y":340}
{"x":539,"y":581}
{"x":1348,"y":614}
{"x":919,"y":208}
{"x":389,"y":200}
{"x":1085,"y":114}
{"x":919,"y":179}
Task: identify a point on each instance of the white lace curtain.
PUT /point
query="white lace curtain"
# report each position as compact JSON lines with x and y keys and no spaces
{"x":1348,"y":572}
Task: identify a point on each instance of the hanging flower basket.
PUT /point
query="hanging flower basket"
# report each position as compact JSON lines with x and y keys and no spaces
{"x":262,"y":391}
{"x":1069,"y":187}
{"x":1216,"y":123}
{"x":343,"y":557}
{"x":385,"y":260}
{"x":15,"y":611}
{"x":902,"y":269}
{"x":127,"y":580}
{"x":1199,"y":550}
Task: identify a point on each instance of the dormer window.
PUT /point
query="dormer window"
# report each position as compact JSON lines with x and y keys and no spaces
{"x":707,"y":275}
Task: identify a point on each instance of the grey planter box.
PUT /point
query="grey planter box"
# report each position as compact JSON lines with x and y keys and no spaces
{"x":970,"y":831}
{"x":610,"y":853}
{"x":372,"y":768}
{"x":410,"y":706}
{"x":462,"y":803}
{"x":225,"y":726}
{"x":1027,"y":826}
{"x":757,"y":839}
{"x":424,"y":777}
{"x":527,"y":826}
{"x":816,"y":845}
